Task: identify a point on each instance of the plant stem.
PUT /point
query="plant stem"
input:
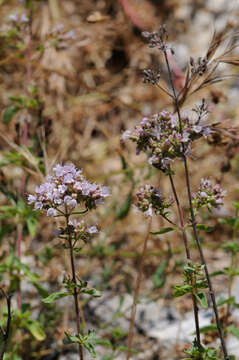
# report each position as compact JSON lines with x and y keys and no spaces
{"x":19,"y":241}
{"x":137,"y":289}
{"x":6,"y":332}
{"x":187,"y":249}
{"x":75,"y":294}
{"x":194,"y":223}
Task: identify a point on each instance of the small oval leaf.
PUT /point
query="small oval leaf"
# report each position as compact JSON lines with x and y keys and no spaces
{"x":202,"y":299}
{"x":9,"y":113}
{"x":163,"y":231}
{"x":54,"y":296}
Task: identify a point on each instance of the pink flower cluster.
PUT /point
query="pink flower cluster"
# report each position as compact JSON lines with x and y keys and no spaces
{"x":64,"y":190}
{"x":208,"y":195}
{"x":149,"y":199}
{"x":160,"y":134}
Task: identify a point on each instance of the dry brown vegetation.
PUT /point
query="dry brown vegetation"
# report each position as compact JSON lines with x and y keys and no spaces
{"x":91,"y":91}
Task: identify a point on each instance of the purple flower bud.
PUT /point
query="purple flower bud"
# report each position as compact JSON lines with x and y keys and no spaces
{"x":73,"y":222}
{"x":197,"y":128}
{"x":51,"y":212}
{"x":38,"y":205}
{"x":31,"y":199}
{"x":24,"y":18}
{"x":126,"y":134}
{"x":58,"y":28}
{"x":69,"y":35}
{"x":72,"y":204}
{"x":13,"y":17}
{"x":93,"y":230}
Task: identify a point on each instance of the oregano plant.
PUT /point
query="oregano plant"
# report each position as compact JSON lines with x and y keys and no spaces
{"x":168,"y":136}
{"x":67,"y":194}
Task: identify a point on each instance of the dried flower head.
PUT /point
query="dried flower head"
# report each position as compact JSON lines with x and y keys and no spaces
{"x":149,"y":199}
{"x":208,"y":195}
{"x":151,"y":77}
{"x":66,"y":189}
{"x":158,"y":39}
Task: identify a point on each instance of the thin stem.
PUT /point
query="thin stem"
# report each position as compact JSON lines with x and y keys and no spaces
{"x":75,"y":294}
{"x":6,"y":332}
{"x":187,"y":249}
{"x":137,"y":289}
{"x":194,"y":223}
{"x":24,"y":140}
{"x":19,"y":241}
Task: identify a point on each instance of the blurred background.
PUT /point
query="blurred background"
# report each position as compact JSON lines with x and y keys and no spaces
{"x":81,"y":63}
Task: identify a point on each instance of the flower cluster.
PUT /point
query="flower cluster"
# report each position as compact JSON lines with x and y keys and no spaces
{"x":17,"y":19}
{"x":162,"y":135}
{"x":81,"y":231}
{"x":150,"y":199}
{"x":60,"y":38}
{"x":208,"y":195}
{"x":64,"y":190}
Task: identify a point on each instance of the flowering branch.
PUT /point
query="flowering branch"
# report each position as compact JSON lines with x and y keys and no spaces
{"x":64,"y":190}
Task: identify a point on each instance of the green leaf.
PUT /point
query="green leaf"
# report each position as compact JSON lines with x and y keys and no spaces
{"x":41,"y":290}
{"x":16,"y":99}
{"x":70,"y":339}
{"x":90,"y":347}
{"x":180,"y":290}
{"x":205,"y":227}
{"x":9,"y":113}
{"x":216,"y":273}
{"x":54,"y":296}
{"x":221,"y":301}
{"x":233,"y":222}
{"x":202,"y":299}
{"x":159,"y":277}
{"x":164,"y":230}
{"x":231,"y":246}
{"x":31,"y":225}
{"x":35,"y":329}
{"x":208,"y":328}
{"x":92,"y":292}
{"x":104,"y":342}
{"x":233,"y":330}
{"x":236,"y":205}
{"x":125,"y":208}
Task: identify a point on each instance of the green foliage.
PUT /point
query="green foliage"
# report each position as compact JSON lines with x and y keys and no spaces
{"x":9,"y":113}
{"x":55,"y":296}
{"x":164,"y":230}
{"x":202,"y":299}
{"x":159,"y":277}
{"x":123,"y":211}
{"x":205,"y":227}
{"x":23,"y":320}
{"x":86,"y":341}
{"x":233,"y":330}
{"x":22,"y":213}
{"x":202,"y":353}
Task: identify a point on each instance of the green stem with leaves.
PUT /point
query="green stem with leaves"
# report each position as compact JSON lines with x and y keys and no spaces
{"x":6,"y":332}
{"x":188,"y":255}
{"x":75,"y":292}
